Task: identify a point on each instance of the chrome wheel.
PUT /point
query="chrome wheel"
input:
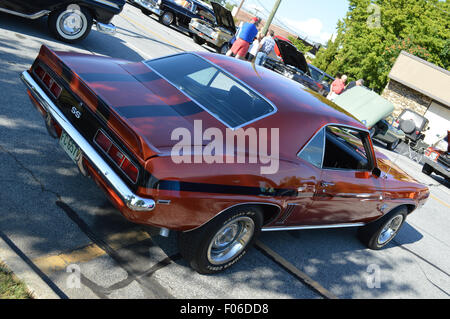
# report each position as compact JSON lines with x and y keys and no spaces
{"x":230,"y":240}
{"x":167,"y":18}
{"x":71,"y":24}
{"x":390,"y":230}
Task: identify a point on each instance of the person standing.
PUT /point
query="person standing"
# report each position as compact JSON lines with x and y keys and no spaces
{"x":254,"y":48}
{"x":246,"y":35}
{"x":352,"y":84}
{"x":337,"y":87}
{"x":265,"y":48}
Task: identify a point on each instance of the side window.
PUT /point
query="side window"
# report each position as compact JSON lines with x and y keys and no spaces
{"x":346,"y":149}
{"x":313,"y":152}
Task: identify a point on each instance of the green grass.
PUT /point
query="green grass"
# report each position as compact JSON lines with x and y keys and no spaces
{"x":10,"y":286}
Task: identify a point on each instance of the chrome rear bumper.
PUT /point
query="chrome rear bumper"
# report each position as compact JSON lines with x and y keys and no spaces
{"x":131,"y":200}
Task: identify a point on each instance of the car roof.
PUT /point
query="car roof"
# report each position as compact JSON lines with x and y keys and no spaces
{"x":301,"y":111}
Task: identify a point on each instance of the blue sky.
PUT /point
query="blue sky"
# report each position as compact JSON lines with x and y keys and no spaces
{"x":315,"y":19}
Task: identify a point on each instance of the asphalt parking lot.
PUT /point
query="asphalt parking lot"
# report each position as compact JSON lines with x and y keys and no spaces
{"x":82,"y":247}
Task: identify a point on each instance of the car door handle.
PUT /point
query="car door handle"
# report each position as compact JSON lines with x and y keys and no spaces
{"x":327,"y":184}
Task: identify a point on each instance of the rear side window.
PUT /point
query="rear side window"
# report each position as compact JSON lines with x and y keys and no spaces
{"x":222,"y":95}
{"x":313,"y":151}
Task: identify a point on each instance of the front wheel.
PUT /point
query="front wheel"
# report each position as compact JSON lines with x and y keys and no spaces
{"x":70,"y":24}
{"x":167,"y":18}
{"x":392,"y":146}
{"x":427,"y":169}
{"x":378,"y":234}
{"x":221,"y":242}
{"x":224,"y":49}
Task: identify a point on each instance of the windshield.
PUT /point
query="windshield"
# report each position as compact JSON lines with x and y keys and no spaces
{"x":315,"y":74}
{"x":222,"y":95}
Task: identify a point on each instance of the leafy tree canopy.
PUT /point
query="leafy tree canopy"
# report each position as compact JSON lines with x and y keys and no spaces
{"x":373,"y":33}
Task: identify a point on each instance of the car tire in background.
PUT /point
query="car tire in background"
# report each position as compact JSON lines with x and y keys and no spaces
{"x":221,"y":242}
{"x":167,"y":18}
{"x":70,"y":24}
{"x":224,"y":49}
{"x":198,"y":40}
{"x":427,"y":169}
{"x":392,"y":146}
{"x":407,"y":126}
{"x":379,"y":233}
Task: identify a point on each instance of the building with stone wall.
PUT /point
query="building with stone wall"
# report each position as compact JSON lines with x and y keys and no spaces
{"x":423,"y":87}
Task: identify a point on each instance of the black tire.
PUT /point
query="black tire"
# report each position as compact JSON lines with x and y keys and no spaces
{"x":407,"y":126}
{"x":371,"y":235}
{"x":224,"y":48}
{"x":198,"y":40}
{"x":146,"y":12}
{"x":81,"y":15}
{"x":167,"y":18}
{"x":392,"y":146}
{"x":197,"y":247}
{"x":427,"y":169}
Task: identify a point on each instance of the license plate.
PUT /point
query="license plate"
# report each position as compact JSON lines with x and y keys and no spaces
{"x":69,"y":146}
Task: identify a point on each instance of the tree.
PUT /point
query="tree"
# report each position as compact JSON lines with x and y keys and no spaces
{"x":373,"y":33}
{"x":299,"y":44}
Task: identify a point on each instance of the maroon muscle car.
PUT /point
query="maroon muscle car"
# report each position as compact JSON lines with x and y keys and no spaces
{"x":218,"y":151}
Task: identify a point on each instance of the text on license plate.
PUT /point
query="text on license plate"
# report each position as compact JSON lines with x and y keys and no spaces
{"x":69,"y":146}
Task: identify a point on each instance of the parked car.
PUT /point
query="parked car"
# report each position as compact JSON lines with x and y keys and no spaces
{"x":67,"y":21}
{"x":437,"y":159}
{"x":129,"y":126}
{"x":322,"y":79}
{"x":177,"y":12}
{"x":413,"y":125}
{"x":218,"y":33}
{"x":292,"y":64}
{"x":374,"y":112}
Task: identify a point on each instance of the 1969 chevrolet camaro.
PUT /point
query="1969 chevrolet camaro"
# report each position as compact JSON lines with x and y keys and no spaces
{"x":218,"y":150}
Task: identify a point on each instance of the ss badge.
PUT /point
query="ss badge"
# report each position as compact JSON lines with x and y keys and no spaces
{"x":76,"y":112}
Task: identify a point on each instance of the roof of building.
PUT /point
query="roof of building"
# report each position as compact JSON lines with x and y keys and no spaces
{"x":422,"y":76}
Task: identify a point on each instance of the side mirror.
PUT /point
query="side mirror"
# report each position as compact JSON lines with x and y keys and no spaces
{"x":376,"y":172}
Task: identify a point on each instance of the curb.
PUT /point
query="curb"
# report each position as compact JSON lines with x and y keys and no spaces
{"x":36,"y":285}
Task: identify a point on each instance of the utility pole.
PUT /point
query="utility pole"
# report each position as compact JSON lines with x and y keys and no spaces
{"x":239,"y":8}
{"x":271,"y":16}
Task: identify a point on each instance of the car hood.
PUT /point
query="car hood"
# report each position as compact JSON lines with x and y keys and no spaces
{"x":223,"y":17}
{"x":367,"y":106}
{"x":291,"y":55}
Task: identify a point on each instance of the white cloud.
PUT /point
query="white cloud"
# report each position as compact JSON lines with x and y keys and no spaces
{"x":311,"y":28}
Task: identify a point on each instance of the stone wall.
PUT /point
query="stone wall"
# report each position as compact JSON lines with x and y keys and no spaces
{"x":405,"y":98}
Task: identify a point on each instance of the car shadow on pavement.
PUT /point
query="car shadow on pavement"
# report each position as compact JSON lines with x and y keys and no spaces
{"x":96,"y":42}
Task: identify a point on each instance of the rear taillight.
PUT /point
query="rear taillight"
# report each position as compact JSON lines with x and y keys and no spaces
{"x":417,"y":132}
{"x":48,"y":81}
{"x":117,"y":156}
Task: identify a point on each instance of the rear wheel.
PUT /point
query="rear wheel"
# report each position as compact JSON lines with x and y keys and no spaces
{"x":70,"y":24}
{"x":221,"y":242}
{"x":378,"y":234}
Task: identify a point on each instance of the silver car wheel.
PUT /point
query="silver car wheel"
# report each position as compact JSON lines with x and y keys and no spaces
{"x":390,"y":230}
{"x":71,"y":24}
{"x":230,"y":240}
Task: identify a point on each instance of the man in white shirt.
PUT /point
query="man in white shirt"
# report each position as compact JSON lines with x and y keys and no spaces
{"x":265,"y":48}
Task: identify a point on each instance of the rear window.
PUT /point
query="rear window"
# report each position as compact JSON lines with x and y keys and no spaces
{"x":416,"y":118}
{"x":222,"y":95}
